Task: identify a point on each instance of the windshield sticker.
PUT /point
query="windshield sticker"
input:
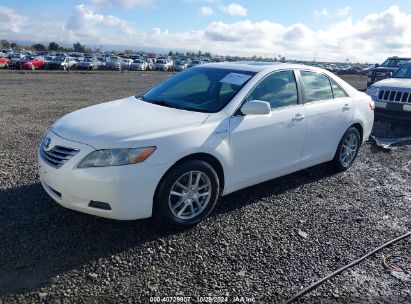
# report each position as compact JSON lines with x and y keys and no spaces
{"x":235,"y":78}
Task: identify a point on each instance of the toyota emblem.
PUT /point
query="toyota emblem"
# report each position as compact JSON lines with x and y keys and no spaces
{"x":47,"y":142}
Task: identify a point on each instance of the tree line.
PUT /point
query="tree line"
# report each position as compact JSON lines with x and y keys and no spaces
{"x":52,"y":46}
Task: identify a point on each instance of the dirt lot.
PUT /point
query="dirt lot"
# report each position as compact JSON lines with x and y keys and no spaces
{"x":252,"y":246}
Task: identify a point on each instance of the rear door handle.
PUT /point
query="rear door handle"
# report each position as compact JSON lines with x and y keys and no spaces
{"x":346,"y":107}
{"x":298,"y":117}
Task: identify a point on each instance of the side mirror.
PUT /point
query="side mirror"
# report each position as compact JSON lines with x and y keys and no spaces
{"x":377,"y":65}
{"x":256,"y":107}
{"x":389,"y":75}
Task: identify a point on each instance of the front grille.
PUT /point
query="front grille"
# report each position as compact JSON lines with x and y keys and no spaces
{"x":58,"y":155}
{"x":395,"y":96}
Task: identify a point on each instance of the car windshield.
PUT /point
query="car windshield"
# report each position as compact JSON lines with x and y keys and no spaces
{"x":403,"y":72}
{"x":161,"y":61}
{"x":394,"y":63}
{"x":88,"y":60}
{"x":199,"y":89}
{"x":138,"y":61}
{"x":196,"y":61}
{"x":61,"y":59}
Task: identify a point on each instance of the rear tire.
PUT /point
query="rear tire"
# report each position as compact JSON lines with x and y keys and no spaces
{"x":347,"y":150}
{"x":187,"y":194}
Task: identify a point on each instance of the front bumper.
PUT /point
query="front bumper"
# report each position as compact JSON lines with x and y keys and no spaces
{"x":129,"y":190}
{"x":395,"y":112}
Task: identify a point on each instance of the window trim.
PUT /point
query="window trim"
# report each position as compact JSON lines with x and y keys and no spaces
{"x":332,"y":81}
{"x":298,"y":71}
{"x":237,"y":112}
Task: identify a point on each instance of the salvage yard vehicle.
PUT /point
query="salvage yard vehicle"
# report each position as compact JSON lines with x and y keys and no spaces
{"x":4,"y":62}
{"x":204,"y":133}
{"x":113,"y":63}
{"x":385,"y":70}
{"x":125,"y":63}
{"x":195,"y":63}
{"x":68,"y":64}
{"x":138,"y":65}
{"x":180,"y":65}
{"x":89,"y":64}
{"x":32,"y":63}
{"x":163,"y":65}
{"x":392,"y":96}
{"x":54,"y":62}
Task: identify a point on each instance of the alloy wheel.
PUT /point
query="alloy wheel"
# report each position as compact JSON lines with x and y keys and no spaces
{"x":349,"y":149}
{"x":190,"y":195}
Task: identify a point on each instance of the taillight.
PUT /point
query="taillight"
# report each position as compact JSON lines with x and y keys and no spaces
{"x":372,"y":105}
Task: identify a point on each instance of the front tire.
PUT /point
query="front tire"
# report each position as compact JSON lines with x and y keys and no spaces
{"x":347,"y":150}
{"x":187,"y":194}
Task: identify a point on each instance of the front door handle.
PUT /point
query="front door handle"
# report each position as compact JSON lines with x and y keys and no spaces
{"x":346,"y":107}
{"x":298,"y":117}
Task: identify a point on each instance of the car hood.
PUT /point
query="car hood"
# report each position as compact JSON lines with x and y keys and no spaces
{"x":402,"y":83}
{"x":119,"y":123}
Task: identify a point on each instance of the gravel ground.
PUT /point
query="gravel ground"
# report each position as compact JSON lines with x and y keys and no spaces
{"x":265,"y":242}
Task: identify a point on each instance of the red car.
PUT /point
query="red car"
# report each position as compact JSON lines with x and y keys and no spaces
{"x":4,"y":62}
{"x":32,"y":63}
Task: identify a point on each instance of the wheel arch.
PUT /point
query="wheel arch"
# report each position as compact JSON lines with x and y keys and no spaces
{"x":360,"y":129}
{"x":208,"y":158}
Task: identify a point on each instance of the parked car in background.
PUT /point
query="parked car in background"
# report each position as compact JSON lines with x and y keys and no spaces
{"x":386,"y":69}
{"x":4,"y":62}
{"x":173,"y":151}
{"x":163,"y":64}
{"x":392,"y":96}
{"x":180,"y":65}
{"x":125,"y":63}
{"x":89,"y":63}
{"x":138,"y":65}
{"x":32,"y":63}
{"x":350,"y":70}
{"x":113,"y":63}
{"x":194,"y":63}
{"x":54,"y":62}
{"x":150,"y":63}
{"x":15,"y":59}
{"x":68,"y":64}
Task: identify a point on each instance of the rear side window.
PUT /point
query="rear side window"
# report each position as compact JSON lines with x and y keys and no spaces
{"x":337,"y":91}
{"x":316,"y":86}
{"x":278,"y":89}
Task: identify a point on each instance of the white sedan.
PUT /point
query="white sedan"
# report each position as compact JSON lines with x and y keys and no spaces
{"x":204,"y":133}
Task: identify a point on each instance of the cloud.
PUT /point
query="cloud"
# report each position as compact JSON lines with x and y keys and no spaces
{"x":206,"y":11}
{"x":233,"y":9}
{"x":87,"y":23}
{"x":344,"y":11}
{"x":120,"y":3}
{"x":321,"y":13}
{"x":372,"y":38}
{"x":11,"y":21}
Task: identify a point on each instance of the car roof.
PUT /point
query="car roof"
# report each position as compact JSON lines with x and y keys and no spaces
{"x":258,"y":66}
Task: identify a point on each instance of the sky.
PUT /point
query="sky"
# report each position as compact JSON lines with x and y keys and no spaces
{"x":357,"y":31}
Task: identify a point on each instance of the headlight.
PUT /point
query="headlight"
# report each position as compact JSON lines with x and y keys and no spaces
{"x":373,"y":92}
{"x":116,"y":157}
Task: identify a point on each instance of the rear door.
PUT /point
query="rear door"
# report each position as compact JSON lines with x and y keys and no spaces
{"x":329,"y":115}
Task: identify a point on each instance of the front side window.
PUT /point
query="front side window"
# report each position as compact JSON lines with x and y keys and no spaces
{"x":316,"y":86}
{"x":278,"y":89}
{"x":201,"y":89}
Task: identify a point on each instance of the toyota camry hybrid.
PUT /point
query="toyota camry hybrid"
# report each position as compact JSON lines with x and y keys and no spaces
{"x":204,"y":133}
